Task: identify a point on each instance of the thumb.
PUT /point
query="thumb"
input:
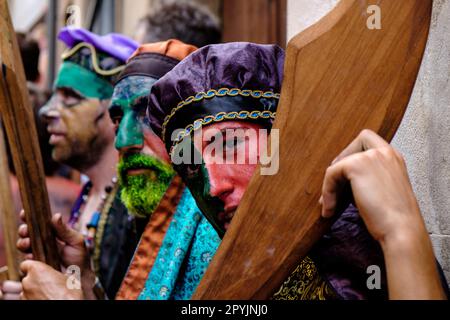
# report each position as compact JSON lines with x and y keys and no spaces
{"x":26,"y":266}
{"x":64,"y":232}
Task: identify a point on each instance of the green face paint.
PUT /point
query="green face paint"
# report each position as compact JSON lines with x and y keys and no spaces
{"x":84,"y":81}
{"x":128,"y":108}
{"x":141,"y":193}
{"x":144,"y":178}
{"x":196,"y":177}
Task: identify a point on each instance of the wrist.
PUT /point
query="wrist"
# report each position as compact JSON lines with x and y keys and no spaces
{"x":88,"y":281}
{"x":404,"y":239}
{"x":403,"y":229}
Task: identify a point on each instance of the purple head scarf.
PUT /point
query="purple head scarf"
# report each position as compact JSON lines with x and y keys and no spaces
{"x":92,"y":63}
{"x":238,"y":81}
{"x":114,"y":44}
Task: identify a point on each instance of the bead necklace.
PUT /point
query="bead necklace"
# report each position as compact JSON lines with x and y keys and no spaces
{"x":92,"y":226}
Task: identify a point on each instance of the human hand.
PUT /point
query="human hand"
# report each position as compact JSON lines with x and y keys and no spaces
{"x":380,"y":184}
{"x":42,"y":282}
{"x":384,"y":196}
{"x":11,"y":290}
{"x":70,"y":243}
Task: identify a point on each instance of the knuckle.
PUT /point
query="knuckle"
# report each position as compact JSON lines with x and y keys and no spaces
{"x":23,"y":229}
{"x":366,"y":133}
{"x":399,"y":156}
{"x":26,"y":283}
{"x":389,"y":154}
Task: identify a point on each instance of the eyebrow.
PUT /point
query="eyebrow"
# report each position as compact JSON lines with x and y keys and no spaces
{"x":72,"y":92}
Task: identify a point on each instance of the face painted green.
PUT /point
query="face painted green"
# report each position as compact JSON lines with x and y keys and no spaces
{"x":88,"y":83}
{"x":196,"y":177}
{"x":128,"y":110}
{"x":144,"y":179}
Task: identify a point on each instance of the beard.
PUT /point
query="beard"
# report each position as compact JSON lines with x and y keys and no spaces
{"x":142,"y":193}
{"x":81,"y":156}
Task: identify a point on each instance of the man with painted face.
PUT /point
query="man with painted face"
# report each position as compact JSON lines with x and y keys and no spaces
{"x":178,"y":242}
{"x":227,"y":93}
{"x":82,"y":136}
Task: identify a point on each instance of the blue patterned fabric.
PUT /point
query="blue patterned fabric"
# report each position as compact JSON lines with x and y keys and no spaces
{"x":188,"y":248}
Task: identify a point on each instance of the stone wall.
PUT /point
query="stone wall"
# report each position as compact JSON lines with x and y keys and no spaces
{"x":424,"y":135}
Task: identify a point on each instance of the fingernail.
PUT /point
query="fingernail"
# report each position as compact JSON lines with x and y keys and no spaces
{"x":321,"y":200}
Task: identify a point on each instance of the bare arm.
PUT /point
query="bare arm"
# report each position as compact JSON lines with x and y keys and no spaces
{"x":383,"y":194}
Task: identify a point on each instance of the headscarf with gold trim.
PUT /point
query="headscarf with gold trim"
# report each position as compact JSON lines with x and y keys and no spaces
{"x":232,"y":81}
{"x":92,"y":63}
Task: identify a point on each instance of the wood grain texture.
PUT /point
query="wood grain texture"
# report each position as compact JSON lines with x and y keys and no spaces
{"x":340,"y":78}
{"x":259,"y":21}
{"x":8,"y":217}
{"x":3,"y":274}
{"x":18,"y":120}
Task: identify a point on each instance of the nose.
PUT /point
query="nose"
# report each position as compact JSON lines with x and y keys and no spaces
{"x":49,"y":112}
{"x":130,"y":136}
{"x":220,"y":184}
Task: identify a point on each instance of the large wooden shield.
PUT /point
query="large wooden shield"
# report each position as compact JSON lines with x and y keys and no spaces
{"x":18,"y":119}
{"x":342,"y":75}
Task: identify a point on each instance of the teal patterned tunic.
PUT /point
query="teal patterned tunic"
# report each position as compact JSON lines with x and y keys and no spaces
{"x":188,"y":247}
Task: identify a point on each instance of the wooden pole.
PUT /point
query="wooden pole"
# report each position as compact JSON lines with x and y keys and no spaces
{"x":340,"y":77}
{"x":7,"y":214}
{"x":18,"y":120}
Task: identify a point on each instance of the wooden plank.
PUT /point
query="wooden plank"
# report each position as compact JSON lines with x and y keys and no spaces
{"x":340,"y":78}
{"x":7,"y":214}
{"x":259,"y":21}
{"x":4,"y":274}
{"x":18,"y":120}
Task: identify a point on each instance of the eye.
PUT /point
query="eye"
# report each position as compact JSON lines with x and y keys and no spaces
{"x":70,"y":98}
{"x":116,"y":115}
{"x":234,"y":142}
{"x":140,"y":107}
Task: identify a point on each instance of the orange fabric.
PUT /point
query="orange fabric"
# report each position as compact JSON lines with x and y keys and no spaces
{"x":173,"y":48}
{"x":150,"y":243}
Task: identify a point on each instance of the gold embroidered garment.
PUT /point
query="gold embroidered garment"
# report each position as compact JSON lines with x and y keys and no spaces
{"x":305,"y":283}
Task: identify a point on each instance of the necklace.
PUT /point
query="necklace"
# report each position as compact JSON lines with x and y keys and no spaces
{"x":92,"y":226}
{"x":81,"y":200}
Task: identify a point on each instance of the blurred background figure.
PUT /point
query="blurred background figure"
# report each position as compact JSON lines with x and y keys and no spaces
{"x":30,"y":52}
{"x":62,"y":191}
{"x":189,"y":22}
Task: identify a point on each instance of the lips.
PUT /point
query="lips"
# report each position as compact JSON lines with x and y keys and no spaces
{"x":56,"y":137}
{"x":138,"y":171}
